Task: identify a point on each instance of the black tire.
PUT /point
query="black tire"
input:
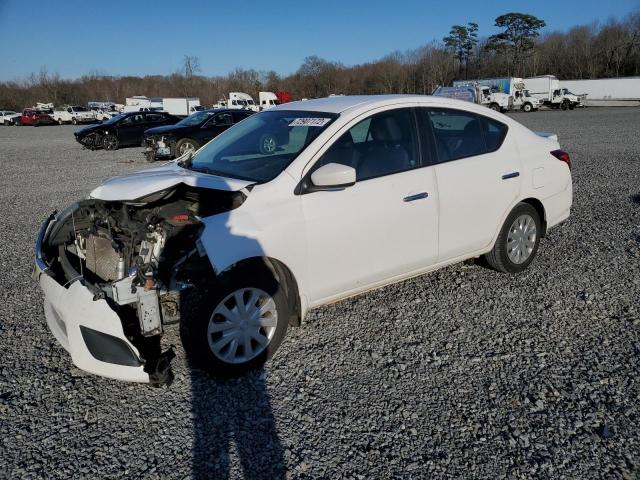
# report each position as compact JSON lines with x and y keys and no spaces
{"x":527,"y":107}
{"x":110,"y":142}
{"x":495,"y":107}
{"x":199,"y":303}
{"x":572,"y":106}
{"x":181,"y":144}
{"x":498,"y":257}
{"x":564,"y":105}
{"x":74,"y":121}
{"x":268,"y":144}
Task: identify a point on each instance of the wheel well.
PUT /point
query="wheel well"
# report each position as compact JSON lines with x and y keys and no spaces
{"x":284,"y":276}
{"x":537,"y":204}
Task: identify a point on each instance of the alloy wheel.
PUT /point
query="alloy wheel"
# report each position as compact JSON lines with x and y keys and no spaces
{"x":242,"y":325}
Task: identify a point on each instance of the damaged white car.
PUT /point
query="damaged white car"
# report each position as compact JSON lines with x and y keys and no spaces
{"x":237,"y":243}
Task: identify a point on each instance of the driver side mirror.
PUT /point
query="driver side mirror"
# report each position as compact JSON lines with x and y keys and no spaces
{"x":333,"y":175}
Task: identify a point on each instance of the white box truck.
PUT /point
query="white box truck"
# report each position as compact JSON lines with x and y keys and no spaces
{"x":512,"y":86}
{"x":472,"y":91}
{"x":182,"y":106}
{"x":547,"y":89}
{"x":141,"y":103}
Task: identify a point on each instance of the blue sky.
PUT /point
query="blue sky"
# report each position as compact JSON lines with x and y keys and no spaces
{"x":117,"y":37}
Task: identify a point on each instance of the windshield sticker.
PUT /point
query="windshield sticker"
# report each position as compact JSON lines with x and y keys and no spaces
{"x":310,"y":122}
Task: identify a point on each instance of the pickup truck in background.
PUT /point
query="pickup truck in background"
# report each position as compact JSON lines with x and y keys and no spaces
{"x":73,"y":114}
{"x":9,"y":117}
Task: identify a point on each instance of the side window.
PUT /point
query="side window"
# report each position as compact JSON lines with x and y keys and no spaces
{"x":126,"y":121}
{"x":223,"y":119}
{"x":154,"y":117}
{"x":494,"y":133}
{"x":457,"y":134}
{"x":69,"y":110}
{"x":380,"y":145}
{"x":239,"y":116}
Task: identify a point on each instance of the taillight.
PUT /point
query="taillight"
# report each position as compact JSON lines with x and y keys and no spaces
{"x":562,"y":156}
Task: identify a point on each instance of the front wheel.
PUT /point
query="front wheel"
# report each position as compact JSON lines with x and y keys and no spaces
{"x":518,"y":240}
{"x":527,"y":107}
{"x":268,"y":144}
{"x":572,"y":106}
{"x":110,"y":142}
{"x":185,"y":145}
{"x":233,"y":323}
{"x":495,"y":107}
{"x":564,"y":105}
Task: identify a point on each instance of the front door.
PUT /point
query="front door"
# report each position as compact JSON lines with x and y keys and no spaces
{"x":383,"y":226}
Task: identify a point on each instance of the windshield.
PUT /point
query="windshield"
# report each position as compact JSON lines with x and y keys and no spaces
{"x":260,"y":147}
{"x":194,"y":119}
{"x":115,"y":118}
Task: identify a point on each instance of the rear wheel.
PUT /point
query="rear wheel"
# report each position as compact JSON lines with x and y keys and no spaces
{"x":234,"y":323}
{"x":60,"y":122}
{"x":518,"y":240}
{"x":110,"y":142}
{"x":74,"y":121}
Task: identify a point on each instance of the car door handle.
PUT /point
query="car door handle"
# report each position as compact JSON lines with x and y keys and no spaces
{"x":417,"y":196}
{"x":507,"y":176}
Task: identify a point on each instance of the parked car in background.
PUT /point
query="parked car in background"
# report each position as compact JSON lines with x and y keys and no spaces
{"x":368,"y":191}
{"x":73,"y":114}
{"x":9,"y":117}
{"x":190,"y":133}
{"x":125,"y":129}
{"x":33,"y":117}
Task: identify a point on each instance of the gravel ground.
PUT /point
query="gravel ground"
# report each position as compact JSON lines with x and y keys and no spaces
{"x":463,"y":373}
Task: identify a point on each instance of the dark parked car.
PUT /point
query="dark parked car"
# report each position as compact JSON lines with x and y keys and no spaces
{"x":122,"y":130}
{"x":32,"y":116}
{"x":190,"y":133}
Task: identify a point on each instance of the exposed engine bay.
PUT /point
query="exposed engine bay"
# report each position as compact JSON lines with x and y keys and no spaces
{"x":159,"y":146}
{"x":138,"y":256}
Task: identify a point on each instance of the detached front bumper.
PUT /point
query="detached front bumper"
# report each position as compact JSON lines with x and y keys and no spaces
{"x":89,"y":329}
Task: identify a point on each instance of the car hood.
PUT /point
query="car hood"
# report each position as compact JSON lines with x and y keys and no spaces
{"x":140,"y":184}
{"x":167,"y":129}
{"x":91,"y":128}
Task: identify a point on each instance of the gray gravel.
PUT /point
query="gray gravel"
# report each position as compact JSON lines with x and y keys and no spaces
{"x":463,"y":373}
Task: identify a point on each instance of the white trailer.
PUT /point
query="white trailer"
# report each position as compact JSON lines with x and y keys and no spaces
{"x":182,"y":106}
{"x":547,"y":89}
{"x":607,"y":91}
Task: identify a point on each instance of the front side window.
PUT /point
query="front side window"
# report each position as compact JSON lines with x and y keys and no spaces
{"x":382,"y":144}
{"x":194,"y":119}
{"x":154,"y":117}
{"x":261,"y":146}
{"x":222,"y":119}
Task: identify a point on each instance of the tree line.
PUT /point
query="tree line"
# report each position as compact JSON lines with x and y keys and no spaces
{"x":598,"y":50}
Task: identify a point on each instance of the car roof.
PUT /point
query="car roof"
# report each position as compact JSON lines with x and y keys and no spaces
{"x":340,"y":104}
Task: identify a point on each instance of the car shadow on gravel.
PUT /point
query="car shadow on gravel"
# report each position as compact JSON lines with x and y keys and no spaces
{"x":233,"y":419}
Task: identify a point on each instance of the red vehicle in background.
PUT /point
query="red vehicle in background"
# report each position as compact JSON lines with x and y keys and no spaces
{"x":283,"y":97}
{"x":32,"y":116}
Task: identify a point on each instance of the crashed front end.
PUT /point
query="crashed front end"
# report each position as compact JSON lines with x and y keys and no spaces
{"x":112,"y":274}
{"x":159,"y":147}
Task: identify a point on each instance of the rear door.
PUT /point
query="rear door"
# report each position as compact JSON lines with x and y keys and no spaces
{"x":478,"y":176}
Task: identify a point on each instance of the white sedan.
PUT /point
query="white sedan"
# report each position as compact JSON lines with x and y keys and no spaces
{"x":237,"y":242}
